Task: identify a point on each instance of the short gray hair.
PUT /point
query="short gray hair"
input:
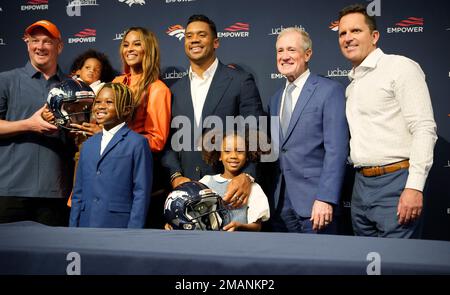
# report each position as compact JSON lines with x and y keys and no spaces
{"x":307,"y":42}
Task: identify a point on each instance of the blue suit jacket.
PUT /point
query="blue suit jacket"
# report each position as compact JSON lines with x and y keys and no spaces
{"x":312,"y":155}
{"x":232,"y":92}
{"x":113,"y":189}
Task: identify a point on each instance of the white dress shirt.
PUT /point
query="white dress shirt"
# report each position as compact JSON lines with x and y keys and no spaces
{"x":390,"y":115}
{"x":299,"y":83}
{"x":200,"y":87}
{"x":108,"y":135}
{"x":258,"y":204}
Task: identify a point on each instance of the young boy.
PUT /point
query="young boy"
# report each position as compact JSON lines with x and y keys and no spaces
{"x":114,"y":175}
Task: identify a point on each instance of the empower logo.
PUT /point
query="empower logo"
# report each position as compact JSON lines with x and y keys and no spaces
{"x":237,"y":30}
{"x":409,"y":25}
{"x":132,"y":2}
{"x":334,"y":26}
{"x":274,"y":76}
{"x":176,"y":31}
{"x":84,"y":36}
{"x":35,"y":5}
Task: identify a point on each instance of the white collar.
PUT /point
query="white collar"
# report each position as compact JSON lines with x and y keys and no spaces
{"x":300,"y":81}
{"x":206,"y":74}
{"x":220,"y":179}
{"x":111,"y":132}
{"x":370,"y":62}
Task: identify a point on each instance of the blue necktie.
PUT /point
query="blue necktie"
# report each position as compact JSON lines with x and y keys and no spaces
{"x":286,"y":111}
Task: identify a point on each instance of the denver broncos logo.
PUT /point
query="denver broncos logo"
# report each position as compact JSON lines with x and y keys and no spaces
{"x":176,"y":31}
{"x":334,"y":26}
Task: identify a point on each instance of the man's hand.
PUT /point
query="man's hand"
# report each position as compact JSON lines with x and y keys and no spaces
{"x":36,"y":123}
{"x":238,"y":191}
{"x":179,"y":180}
{"x":47,"y":115}
{"x":409,"y":205}
{"x":321,"y":215}
{"x":87,"y":129}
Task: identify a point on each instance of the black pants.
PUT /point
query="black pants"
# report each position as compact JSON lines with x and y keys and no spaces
{"x":160,"y":189}
{"x":48,"y":211}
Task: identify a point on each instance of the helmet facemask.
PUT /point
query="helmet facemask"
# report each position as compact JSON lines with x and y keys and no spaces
{"x":194,"y":206}
{"x":209,"y":213}
{"x":71,"y":103}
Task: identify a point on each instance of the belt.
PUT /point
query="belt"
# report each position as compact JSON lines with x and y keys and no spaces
{"x":381,"y":170}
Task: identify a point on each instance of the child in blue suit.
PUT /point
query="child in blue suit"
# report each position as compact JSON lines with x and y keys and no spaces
{"x":114,"y":175}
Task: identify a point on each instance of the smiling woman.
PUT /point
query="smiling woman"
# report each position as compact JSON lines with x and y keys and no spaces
{"x":140,"y":56}
{"x":139,"y":52}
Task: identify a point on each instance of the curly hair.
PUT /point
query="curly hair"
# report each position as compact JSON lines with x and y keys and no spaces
{"x":211,"y":154}
{"x":107,"y":73}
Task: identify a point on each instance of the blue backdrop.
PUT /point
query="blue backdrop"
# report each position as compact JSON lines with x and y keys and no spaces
{"x":247,"y":29}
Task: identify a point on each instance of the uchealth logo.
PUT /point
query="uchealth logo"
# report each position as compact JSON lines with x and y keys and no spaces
{"x":84,"y":36}
{"x":119,"y":36}
{"x":338,"y":72}
{"x":132,"y":2}
{"x":277,"y":30}
{"x":237,"y":30}
{"x":35,"y":5}
{"x":408,"y":25}
{"x":176,"y":31}
{"x":175,"y":74}
{"x":334,"y":26}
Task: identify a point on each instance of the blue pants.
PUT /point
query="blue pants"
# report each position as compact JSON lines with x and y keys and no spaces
{"x":287,"y":220}
{"x":374,"y":206}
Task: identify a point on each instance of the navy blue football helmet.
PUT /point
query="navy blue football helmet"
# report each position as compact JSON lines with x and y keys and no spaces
{"x":71,"y":102}
{"x":194,"y":206}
